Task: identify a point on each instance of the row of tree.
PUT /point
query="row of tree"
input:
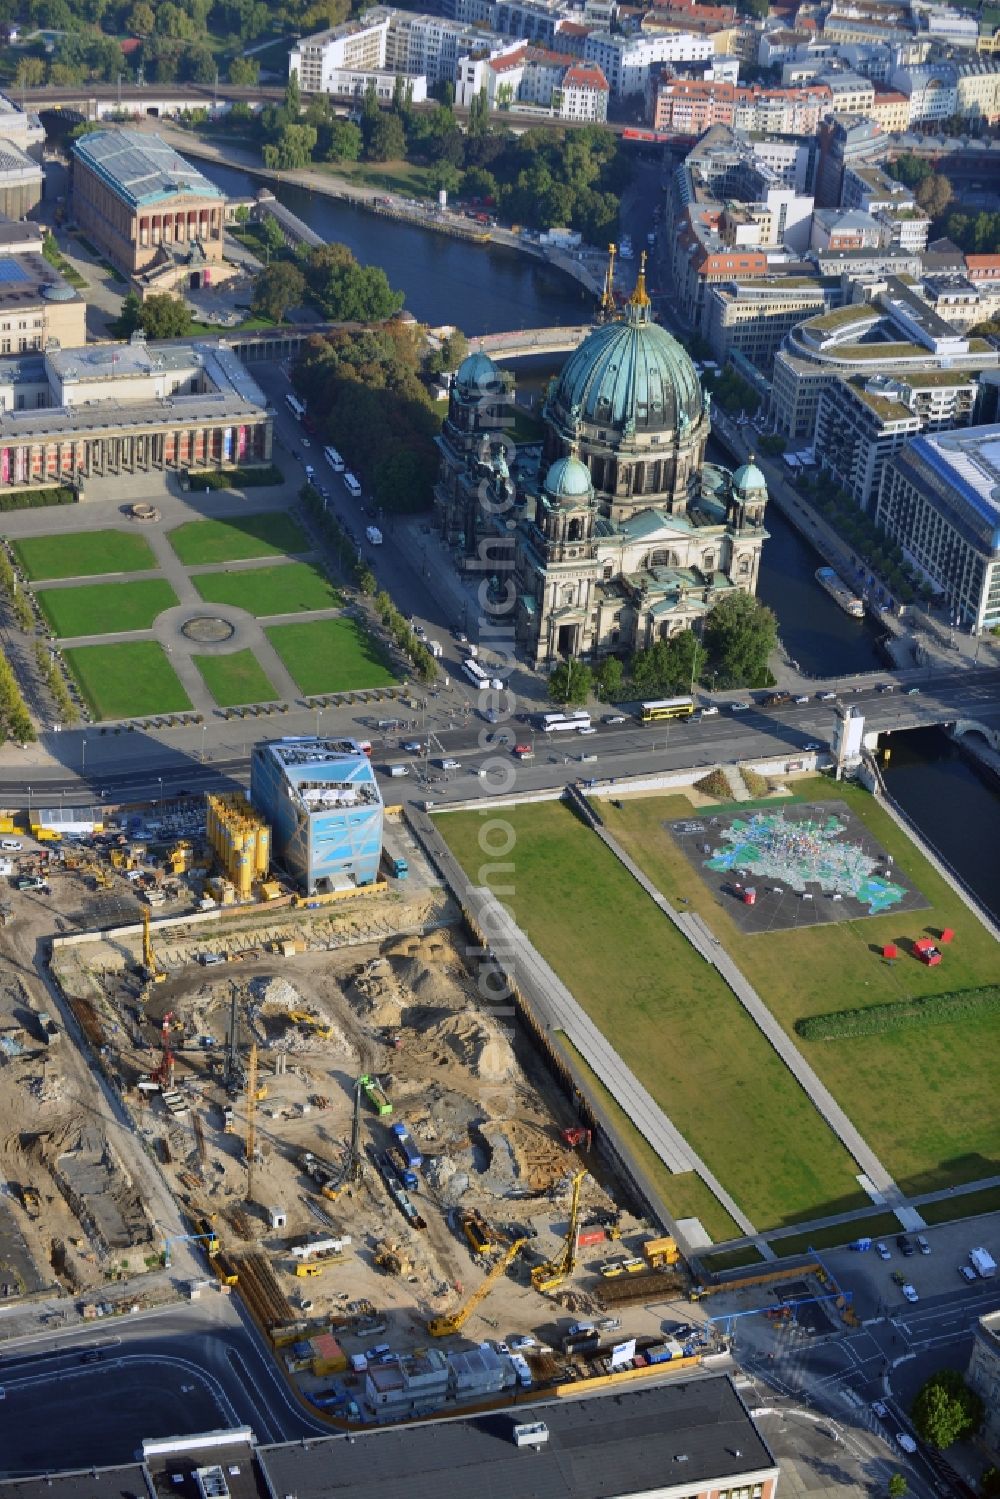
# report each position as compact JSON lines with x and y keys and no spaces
{"x":739,"y":635}
{"x":365,"y":392}
{"x":539,"y":178}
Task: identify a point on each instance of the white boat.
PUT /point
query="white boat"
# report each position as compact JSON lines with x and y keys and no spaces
{"x":625,"y":248}
{"x":840,"y":593}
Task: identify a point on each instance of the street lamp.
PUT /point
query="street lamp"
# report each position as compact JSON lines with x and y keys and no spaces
{"x":83,"y":761}
{"x":160,"y":798}
{"x":319,"y":715}
{"x":204,"y":729}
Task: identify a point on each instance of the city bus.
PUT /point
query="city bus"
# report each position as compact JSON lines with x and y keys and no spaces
{"x":295,"y":406}
{"x":334,"y":459}
{"x":667,"y":707}
{"x":564,"y":723}
{"x":475,"y":673}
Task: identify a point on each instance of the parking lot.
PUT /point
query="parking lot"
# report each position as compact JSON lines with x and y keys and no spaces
{"x":932,"y":1275}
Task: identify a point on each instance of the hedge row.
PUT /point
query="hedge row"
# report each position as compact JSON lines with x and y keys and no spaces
{"x":876,"y":1020}
{"x":237,"y":478}
{"x":34,"y":499}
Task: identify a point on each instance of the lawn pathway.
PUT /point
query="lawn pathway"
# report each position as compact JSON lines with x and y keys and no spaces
{"x":704,"y":941}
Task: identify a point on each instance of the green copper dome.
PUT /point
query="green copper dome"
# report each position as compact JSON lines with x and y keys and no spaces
{"x":569,"y":479}
{"x":748,"y":477}
{"x":477,"y":372}
{"x":630,"y":376}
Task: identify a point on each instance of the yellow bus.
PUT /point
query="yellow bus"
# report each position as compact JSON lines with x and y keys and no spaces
{"x":667,"y":707}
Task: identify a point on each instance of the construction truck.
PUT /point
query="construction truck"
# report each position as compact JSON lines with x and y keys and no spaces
{"x":482,"y":1238}
{"x":31,"y":1201}
{"x":375,"y":1094}
{"x":553,"y":1273}
{"x":661,"y":1253}
{"x":397,"y":867}
{"x":443,"y":1327}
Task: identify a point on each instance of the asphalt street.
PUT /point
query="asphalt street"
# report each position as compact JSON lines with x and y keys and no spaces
{"x":187,"y":1368}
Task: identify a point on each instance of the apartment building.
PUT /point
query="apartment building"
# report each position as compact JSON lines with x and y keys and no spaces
{"x":389,"y":41}
{"x":890,"y":110}
{"x":844,"y":229}
{"x":939,"y":501}
{"x":977,"y":90}
{"x":626,"y":61}
{"x":845,"y":141}
{"x":932,"y":91}
{"x":568,"y":88}
{"x":850,"y":94}
{"x":863,"y":420}
{"x":753,"y":318}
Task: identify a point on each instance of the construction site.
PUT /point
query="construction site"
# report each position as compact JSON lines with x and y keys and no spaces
{"x":378,"y":1162}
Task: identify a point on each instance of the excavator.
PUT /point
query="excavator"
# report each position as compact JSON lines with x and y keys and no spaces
{"x":310,"y":1022}
{"x":154,"y":973}
{"x":443,"y":1327}
{"x":550,"y":1276}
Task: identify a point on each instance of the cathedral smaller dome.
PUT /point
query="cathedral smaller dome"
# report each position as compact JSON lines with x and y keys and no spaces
{"x":477,"y":372}
{"x":569,"y":479}
{"x":748,"y":477}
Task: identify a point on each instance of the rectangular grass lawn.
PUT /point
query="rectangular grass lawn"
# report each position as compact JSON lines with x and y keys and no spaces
{"x":127,"y":680}
{"x":291,"y":587}
{"x":84,"y":554}
{"x":104,"y":608}
{"x":330,"y":655}
{"x":266,"y":535}
{"x":670,"y":1016}
{"x":236,"y":678}
{"x":924,"y":1098}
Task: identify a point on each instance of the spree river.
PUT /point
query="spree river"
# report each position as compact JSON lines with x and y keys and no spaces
{"x":496,"y":290}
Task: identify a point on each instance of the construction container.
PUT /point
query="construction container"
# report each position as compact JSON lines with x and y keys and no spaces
{"x":590,"y":1236}
{"x":241,"y":840}
{"x":328,"y":1356}
{"x":660,"y":1252}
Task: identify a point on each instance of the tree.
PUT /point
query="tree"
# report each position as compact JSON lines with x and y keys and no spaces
{"x":946,"y":1410}
{"x":344,"y":142}
{"x":989,"y":1484}
{"x":164,"y":316}
{"x":570,"y":682}
{"x":130,"y":317}
{"x":608,"y":679}
{"x":272,"y":234}
{"x":242,"y":215}
{"x":369,"y":104}
{"x":281,"y":286}
{"x":386,"y":140}
{"x":244,"y":71}
{"x":293,"y":98}
{"x":740,"y":634}
{"x":934,"y":194}
{"x":141,"y":19}
{"x":30,"y":72}
{"x":773,"y":444}
{"x":897,"y":1486}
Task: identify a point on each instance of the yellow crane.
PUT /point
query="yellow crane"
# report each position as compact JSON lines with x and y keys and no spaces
{"x":443,"y":1327}
{"x":251,"y":1143}
{"x":153,"y":970}
{"x":549,"y":1276}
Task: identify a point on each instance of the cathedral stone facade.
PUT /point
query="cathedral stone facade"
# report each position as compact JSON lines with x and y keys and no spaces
{"x":617,"y":533}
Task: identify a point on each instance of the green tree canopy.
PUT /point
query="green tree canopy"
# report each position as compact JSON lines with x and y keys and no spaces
{"x":385,"y":140}
{"x":277,"y":289}
{"x":347,"y":292}
{"x":897,"y":1486}
{"x":570,"y":682}
{"x":946,"y":1410}
{"x":164,"y":316}
{"x":244,"y":71}
{"x":740,"y":634}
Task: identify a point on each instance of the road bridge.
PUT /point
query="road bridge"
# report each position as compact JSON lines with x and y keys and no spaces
{"x":524,"y":343}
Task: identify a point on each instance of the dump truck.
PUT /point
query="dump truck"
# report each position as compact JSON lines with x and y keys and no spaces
{"x":375,"y":1094}
{"x":407,"y":1145}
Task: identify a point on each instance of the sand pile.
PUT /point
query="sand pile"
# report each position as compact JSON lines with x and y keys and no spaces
{"x":476,"y":1045}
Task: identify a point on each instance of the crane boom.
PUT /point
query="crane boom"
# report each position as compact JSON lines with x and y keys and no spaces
{"x":547,"y":1277}
{"x":153,"y":970}
{"x":442,"y":1327}
{"x":251,"y":1143}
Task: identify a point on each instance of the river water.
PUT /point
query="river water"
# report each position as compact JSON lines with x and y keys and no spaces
{"x":496,"y":290}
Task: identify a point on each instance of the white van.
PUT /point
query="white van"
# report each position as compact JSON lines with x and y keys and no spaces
{"x":353,"y":485}
{"x":11,"y":845}
{"x":398,"y":770}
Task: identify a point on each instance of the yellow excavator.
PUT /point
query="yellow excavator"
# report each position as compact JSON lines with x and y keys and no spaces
{"x":550,"y":1276}
{"x":154,"y":972}
{"x":443,"y":1327}
{"x":310,"y":1022}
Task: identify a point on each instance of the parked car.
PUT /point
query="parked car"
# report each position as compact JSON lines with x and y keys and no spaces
{"x":450,"y":764}
{"x":967,"y":1273}
{"x":906,"y":1441}
{"x":739,"y":707}
{"x":904,"y":1244}
{"x":910,"y":1292}
{"x":709,"y":711}
{"x":923,"y":1245}
{"x":880,"y":1409}
{"x":611,"y":718}
{"x":827,"y":697}
{"x":802,"y":697}
{"x":882,"y":1250}
{"x":413,"y":746}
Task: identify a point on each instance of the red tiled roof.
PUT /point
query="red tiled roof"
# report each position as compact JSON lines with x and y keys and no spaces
{"x":573,"y":28}
{"x":510,"y":60}
{"x":585,"y":75}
